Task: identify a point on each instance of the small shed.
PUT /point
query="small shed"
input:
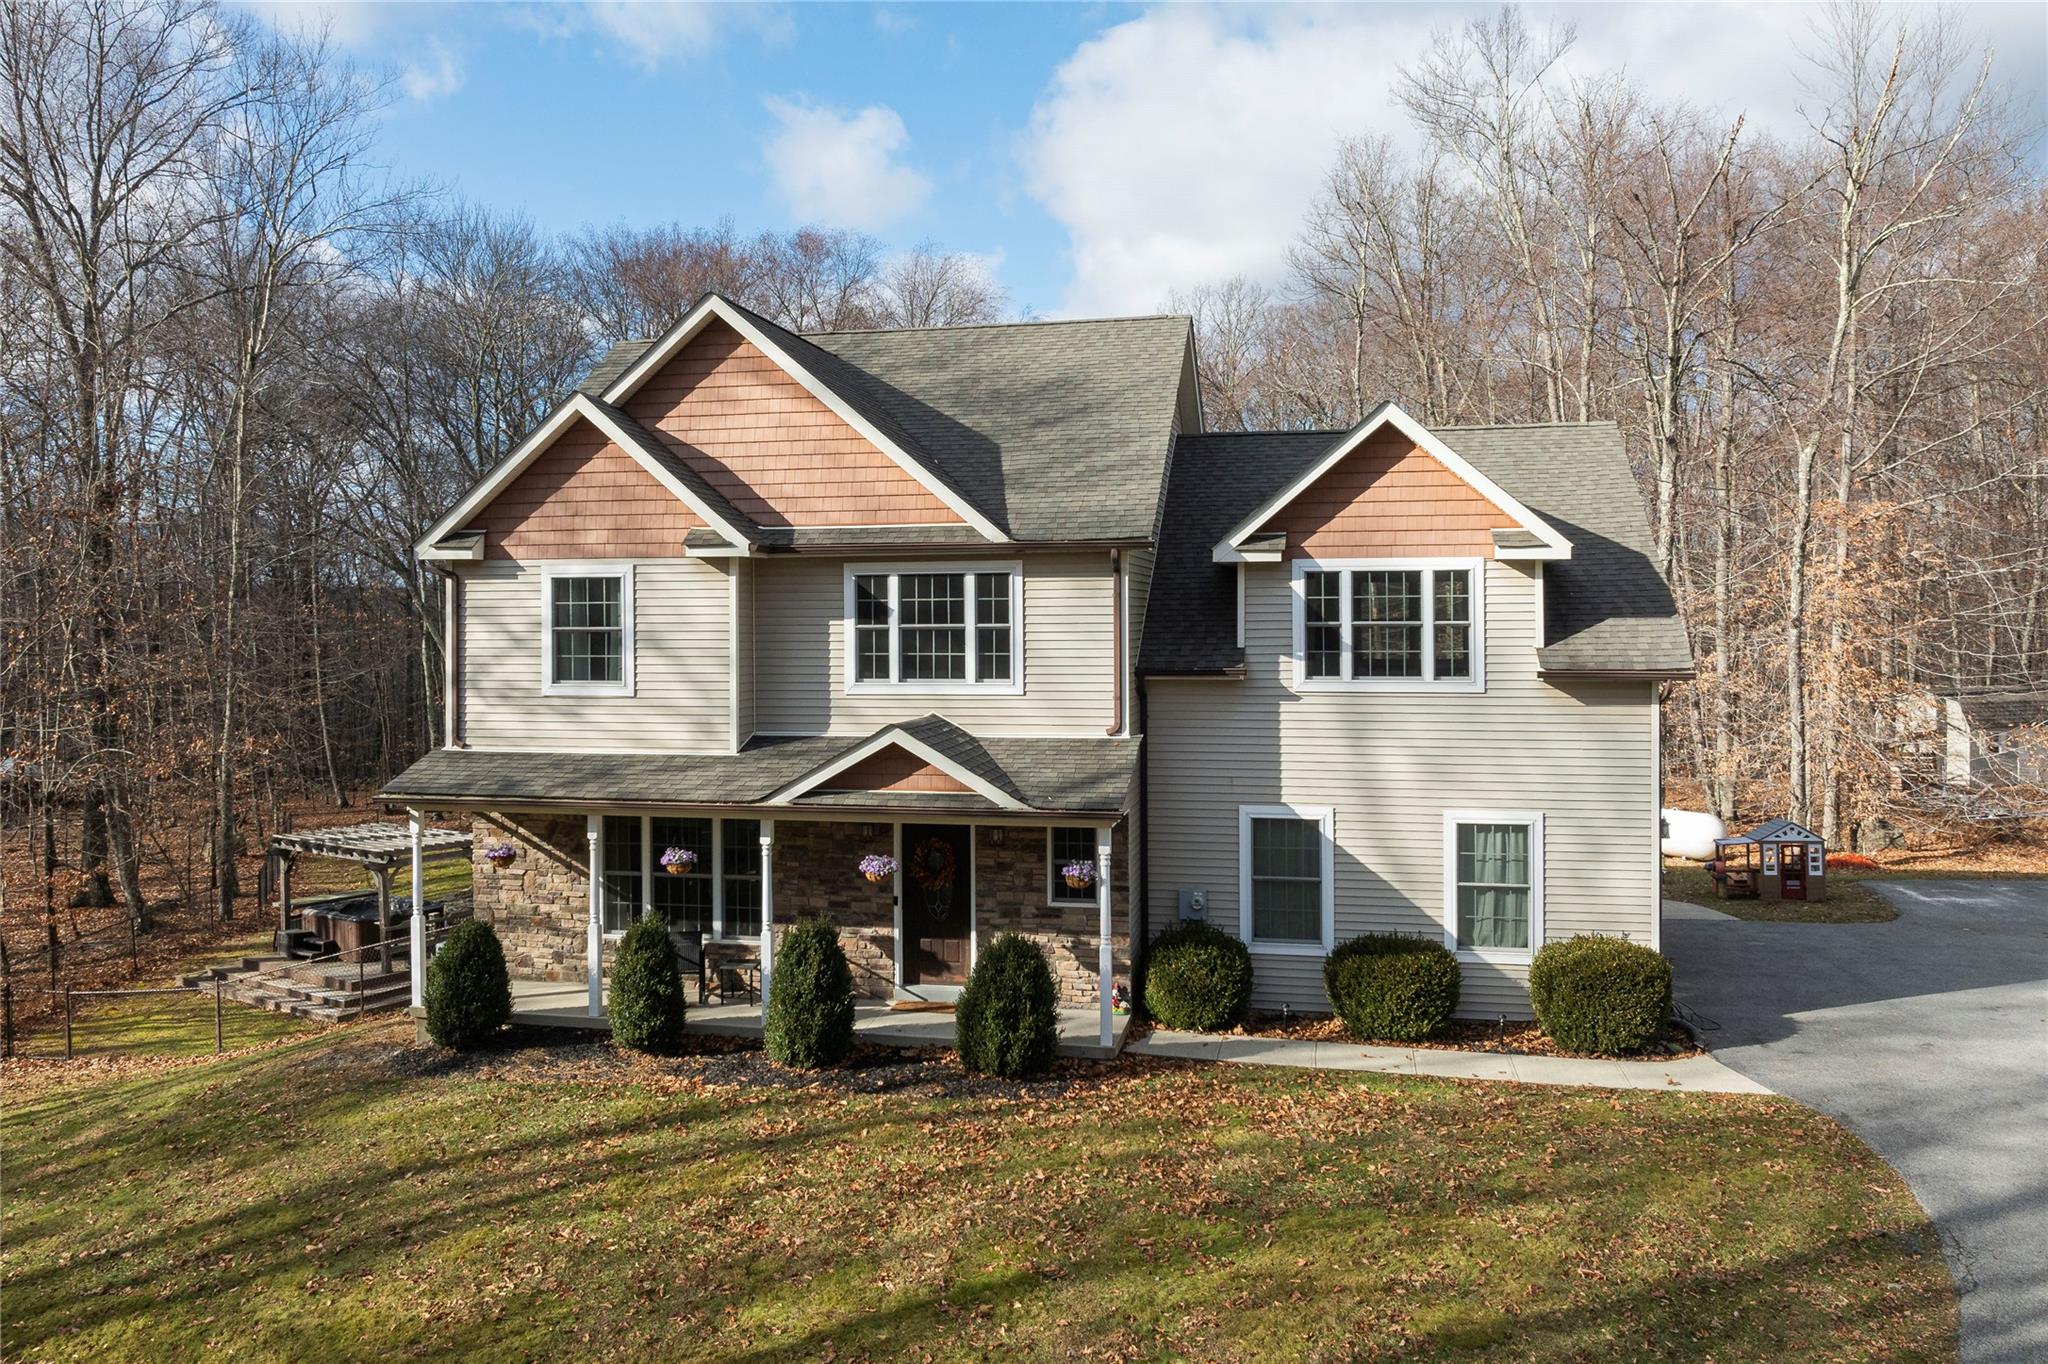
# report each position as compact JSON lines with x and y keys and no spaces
{"x":1780,"y":859}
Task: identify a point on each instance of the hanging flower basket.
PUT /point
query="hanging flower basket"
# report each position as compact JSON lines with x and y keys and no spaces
{"x":878,"y":867}
{"x":676,"y":861}
{"x":500,"y":855}
{"x":1078,"y":875}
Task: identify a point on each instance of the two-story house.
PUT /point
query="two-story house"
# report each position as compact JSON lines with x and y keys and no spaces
{"x":989,"y":601}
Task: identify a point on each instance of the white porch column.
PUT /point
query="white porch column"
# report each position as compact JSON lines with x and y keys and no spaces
{"x":593,"y":946}
{"x":419,"y":915}
{"x":767,"y":909}
{"x":1105,"y":960}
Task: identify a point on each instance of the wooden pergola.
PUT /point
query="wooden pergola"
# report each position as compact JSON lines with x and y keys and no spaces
{"x":380,"y":848}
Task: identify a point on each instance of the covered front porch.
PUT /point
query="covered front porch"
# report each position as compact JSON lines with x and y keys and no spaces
{"x":557,"y":1004}
{"x":920,"y":842}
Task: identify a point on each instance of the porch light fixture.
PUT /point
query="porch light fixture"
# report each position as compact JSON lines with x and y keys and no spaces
{"x":995,"y":835}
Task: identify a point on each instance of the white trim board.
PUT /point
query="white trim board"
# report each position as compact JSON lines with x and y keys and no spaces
{"x":1229,"y":550}
{"x":712,"y":307}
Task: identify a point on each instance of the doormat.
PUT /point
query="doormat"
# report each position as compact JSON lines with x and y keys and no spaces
{"x":920,"y":1006}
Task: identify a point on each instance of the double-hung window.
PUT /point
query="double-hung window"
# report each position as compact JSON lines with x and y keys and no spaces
{"x":1285,"y":858}
{"x":1493,"y":883}
{"x":719,"y":894}
{"x":1392,"y":625}
{"x":1065,"y":845}
{"x":587,"y":630}
{"x":934,"y":627}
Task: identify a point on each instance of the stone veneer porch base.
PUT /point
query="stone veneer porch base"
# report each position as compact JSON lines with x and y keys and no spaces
{"x":539,"y":905}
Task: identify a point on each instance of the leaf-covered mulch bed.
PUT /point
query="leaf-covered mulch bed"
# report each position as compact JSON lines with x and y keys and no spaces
{"x":1517,"y":1037}
{"x":541,"y":1054}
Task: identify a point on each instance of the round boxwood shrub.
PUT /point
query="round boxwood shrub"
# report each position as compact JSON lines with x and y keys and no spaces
{"x":1391,"y":987}
{"x":469,"y":991}
{"x":1197,"y":978}
{"x":1007,"y":1020}
{"x":810,"y":998}
{"x":646,"y":1001}
{"x":1600,"y":994}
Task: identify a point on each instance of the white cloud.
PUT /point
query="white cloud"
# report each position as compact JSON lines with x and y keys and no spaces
{"x":441,"y":75}
{"x":1184,"y":146}
{"x":651,"y":35}
{"x":843,"y":169}
{"x":351,"y":25}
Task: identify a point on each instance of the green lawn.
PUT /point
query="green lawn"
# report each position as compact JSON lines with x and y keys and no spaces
{"x":1850,"y":899}
{"x":163,"y":1025}
{"x":346,"y":1196}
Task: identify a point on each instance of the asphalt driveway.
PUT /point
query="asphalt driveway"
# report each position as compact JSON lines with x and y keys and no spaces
{"x":1927,"y":1037}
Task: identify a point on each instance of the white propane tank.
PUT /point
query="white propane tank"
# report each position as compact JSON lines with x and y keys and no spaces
{"x":1691,"y":833}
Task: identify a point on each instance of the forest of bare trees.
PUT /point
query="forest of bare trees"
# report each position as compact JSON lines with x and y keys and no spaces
{"x":1826,"y":353}
{"x":242,"y":367}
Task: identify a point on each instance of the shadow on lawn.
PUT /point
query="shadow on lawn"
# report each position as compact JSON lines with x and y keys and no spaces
{"x":1086,"y":1221}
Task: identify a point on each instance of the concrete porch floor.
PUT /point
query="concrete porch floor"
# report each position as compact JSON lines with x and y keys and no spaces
{"x":565,"y":1004}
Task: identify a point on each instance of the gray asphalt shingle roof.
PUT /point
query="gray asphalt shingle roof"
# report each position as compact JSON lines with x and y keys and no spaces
{"x":1607,"y":609}
{"x":1052,"y":430}
{"x":1093,"y":776}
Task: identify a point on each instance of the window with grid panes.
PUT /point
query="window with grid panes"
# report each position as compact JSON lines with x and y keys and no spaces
{"x":587,"y":629}
{"x":945,"y":628}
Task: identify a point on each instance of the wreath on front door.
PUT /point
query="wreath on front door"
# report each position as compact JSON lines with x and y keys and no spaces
{"x":931,"y":866}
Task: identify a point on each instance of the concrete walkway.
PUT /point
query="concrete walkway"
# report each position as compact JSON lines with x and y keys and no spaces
{"x":1694,"y":1074}
{"x":1928,"y":1038}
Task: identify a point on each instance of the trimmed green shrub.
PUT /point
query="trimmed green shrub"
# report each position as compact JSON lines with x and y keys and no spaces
{"x":469,"y":991}
{"x":1600,"y":994}
{"x":1197,"y":978}
{"x":1007,"y":1020}
{"x":646,"y":1001}
{"x":1390,"y":987}
{"x":810,"y":998}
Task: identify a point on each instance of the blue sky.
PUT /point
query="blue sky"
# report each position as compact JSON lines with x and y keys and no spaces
{"x":1096,"y":156}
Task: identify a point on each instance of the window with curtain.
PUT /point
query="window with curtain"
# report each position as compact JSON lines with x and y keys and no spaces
{"x":1070,"y":844}
{"x":587,"y":630}
{"x":951,"y":627}
{"x":622,"y":890}
{"x":741,"y":868}
{"x":1388,"y":626}
{"x":683,"y":899}
{"x":1286,"y":880}
{"x":1493,"y":885}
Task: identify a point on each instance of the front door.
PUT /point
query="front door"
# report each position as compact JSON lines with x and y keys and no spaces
{"x":1792,"y":879}
{"x":938,"y":903}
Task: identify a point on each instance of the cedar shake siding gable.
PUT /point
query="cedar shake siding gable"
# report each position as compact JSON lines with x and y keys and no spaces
{"x":778,"y":454}
{"x":893,"y":769}
{"x":1388,"y":499}
{"x":584,"y":498}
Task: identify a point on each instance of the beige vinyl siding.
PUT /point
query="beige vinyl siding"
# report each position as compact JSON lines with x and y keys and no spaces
{"x":743,"y":636}
{"x":800,"y":659}
{"x":1390,"y":765}
{"x":1138,"y":587}
{"x":681,"y":665}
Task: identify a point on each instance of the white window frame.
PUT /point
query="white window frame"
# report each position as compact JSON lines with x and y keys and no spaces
{"x":649,"y":858}
{"x":550,"y":574}
{"x":855,"y":686}
{"x":1324,"y":817}
{"x":1058,"y":894}
{"x":1506,"y":956}
{"x":1428,"y":682}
